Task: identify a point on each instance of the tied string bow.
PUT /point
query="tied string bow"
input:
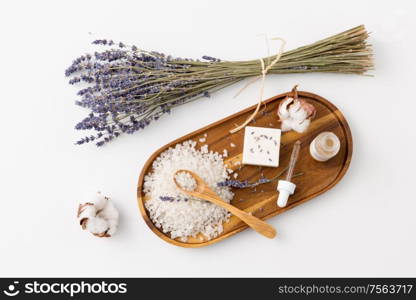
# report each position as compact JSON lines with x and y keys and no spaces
{"x":264,"y":71}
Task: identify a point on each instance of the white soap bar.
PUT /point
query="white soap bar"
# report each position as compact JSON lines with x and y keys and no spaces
{"x":261,"y":146}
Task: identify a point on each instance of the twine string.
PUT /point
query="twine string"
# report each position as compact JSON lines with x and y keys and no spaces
{"x":264,"y":71}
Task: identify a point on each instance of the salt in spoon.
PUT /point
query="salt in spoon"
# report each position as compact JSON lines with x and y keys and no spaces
{"x":204,"y":192}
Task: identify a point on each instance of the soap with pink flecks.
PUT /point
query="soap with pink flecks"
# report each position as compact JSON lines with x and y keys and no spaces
{"x":261,"y":146}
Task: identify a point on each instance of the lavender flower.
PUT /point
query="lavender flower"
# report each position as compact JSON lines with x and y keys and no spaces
{"x":262,"y":180}
{"x":172,"y":199}
{"x":167,"y":198}
{"x":234,"y":183}
{"x":210,"y":58}
{"x":243,"y":184}
{"x":126,"y":88}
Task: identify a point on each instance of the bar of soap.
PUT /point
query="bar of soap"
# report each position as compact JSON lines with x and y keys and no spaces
{"x":261,"y":146}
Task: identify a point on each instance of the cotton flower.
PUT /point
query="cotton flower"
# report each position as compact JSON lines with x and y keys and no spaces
{"x":295,"y":114}
{"x":99,"y":216}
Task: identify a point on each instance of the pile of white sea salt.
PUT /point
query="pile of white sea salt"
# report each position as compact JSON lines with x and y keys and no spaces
{"x":177,"y":213}
{"x":186,"y":181}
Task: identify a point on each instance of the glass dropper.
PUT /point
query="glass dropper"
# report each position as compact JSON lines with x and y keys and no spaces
{"x":293,"y":159}
{"x":286,"y":187}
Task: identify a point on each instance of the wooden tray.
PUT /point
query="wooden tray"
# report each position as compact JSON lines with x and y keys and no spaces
{"x":317,"y":177}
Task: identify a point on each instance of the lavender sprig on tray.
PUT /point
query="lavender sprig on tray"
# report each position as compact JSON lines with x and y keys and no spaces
{"x":242,"y":184}
{"x":172,"y":199}
{"x":167,"y":198}
{"x":126,"y":88}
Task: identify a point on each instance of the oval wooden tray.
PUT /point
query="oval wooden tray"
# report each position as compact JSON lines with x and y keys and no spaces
{"x":317,"y":177}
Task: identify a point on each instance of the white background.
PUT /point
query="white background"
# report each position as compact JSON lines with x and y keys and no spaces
{"x":365,"y":226}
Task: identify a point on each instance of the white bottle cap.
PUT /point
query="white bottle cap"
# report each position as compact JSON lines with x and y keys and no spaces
{"x":285,"y":189}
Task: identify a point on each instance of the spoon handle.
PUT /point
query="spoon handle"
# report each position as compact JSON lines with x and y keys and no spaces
{"x":258,"y":225}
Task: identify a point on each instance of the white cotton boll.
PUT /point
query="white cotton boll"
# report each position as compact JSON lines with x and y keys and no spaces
{"x":87,"y":211}
{"x":286,"y":125}
{"x":112,"y":228}
{"x":99,"y":200}
{"x":98,"y":215}
{"x":282,"y":111}
{"x":299,"y":115}
{"x":97,"y":225}
{"x":301,"y":126}
{"x":293,"y":108}
{"x":110,"y":213}
{"x":295,"y":114}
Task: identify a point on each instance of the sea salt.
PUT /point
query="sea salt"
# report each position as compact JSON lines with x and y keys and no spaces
{"x":232,"y":145}
{"x":204,"y":149}
{"x":225,"y":153}
{"x":181,"y":218}
{"x":186,"y":181}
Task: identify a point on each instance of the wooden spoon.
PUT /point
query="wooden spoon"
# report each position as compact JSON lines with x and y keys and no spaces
{"x":204,"y":192}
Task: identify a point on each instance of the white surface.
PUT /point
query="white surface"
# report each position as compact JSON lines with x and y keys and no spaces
{"x":261,"y":151}
{"x":362,"y":227}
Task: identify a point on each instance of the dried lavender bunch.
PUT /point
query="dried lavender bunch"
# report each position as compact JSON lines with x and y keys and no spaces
{"x":127,"y":88}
